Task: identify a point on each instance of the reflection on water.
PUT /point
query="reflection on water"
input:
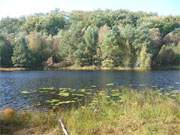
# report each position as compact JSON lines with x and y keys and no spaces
{"x":12,"y":83}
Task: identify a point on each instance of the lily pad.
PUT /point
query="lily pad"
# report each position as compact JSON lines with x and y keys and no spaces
{"x":53,"y":100}
{"x":93,"y":86}
{"x":114,"y":90}
{"x":46,"y":89}
{"x":64,"y":102}
{"x":25,"y":92}
{"x":110,"y":84}
{"x":88,"y":93}
{"x":63,"y":94}
{"x":78,"y":94}
{"x":83,"y":90}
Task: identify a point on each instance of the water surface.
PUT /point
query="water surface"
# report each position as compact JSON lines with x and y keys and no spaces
{"x":13,"y":83}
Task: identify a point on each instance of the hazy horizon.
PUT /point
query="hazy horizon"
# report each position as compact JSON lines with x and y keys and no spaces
{"x":18,"y":8}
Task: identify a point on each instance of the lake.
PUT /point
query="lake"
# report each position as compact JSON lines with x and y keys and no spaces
{"x":13,"y":83}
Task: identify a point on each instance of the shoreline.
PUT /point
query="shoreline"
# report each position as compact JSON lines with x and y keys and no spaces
{"x":11,"y":69}
{"x":94,"y":68}
{"x":89,"y":68}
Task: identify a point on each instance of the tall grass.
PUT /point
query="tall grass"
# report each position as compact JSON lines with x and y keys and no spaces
{"x":136,"y":112}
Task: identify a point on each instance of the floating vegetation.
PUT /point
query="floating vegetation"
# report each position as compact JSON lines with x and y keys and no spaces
{"x":25,"y":92}
{"x":82,"y":90}
{"x":64,"y":94}
{"x":45,"y":90}
{"x":64,"y":102}
{"x":78,"y":94}
{"x":53,"y":100}
{"x":88,"y":93}
{"x":93,"y":86}
{"x":114,"y":90}
{"x":66,"y":89}
{"x":50,"y":97}
{"x":110,"y":84}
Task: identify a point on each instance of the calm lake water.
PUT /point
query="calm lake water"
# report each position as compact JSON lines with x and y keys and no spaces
{"x":13,"y":83}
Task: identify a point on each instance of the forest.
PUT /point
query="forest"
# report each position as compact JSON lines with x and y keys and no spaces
{"x":101,"y":38}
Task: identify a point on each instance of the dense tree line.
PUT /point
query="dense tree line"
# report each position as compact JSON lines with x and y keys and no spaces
{"x":99,"y":38}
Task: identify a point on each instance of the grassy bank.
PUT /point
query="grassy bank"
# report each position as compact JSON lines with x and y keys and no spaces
{"x":122,"y":111}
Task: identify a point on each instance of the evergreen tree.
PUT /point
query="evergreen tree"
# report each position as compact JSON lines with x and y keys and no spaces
{"x":21,"y":55}
{"x":5,"y":53}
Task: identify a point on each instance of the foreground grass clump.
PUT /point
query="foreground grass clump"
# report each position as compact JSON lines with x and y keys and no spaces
{"x":29,"y":123}
{"x":127,"y":112}
{"x":113,"y":112}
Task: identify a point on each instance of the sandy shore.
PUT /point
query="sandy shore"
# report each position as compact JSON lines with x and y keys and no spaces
{"x":13,"y":69}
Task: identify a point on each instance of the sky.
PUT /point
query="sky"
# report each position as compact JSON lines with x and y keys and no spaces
{"x":17,"y":8}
